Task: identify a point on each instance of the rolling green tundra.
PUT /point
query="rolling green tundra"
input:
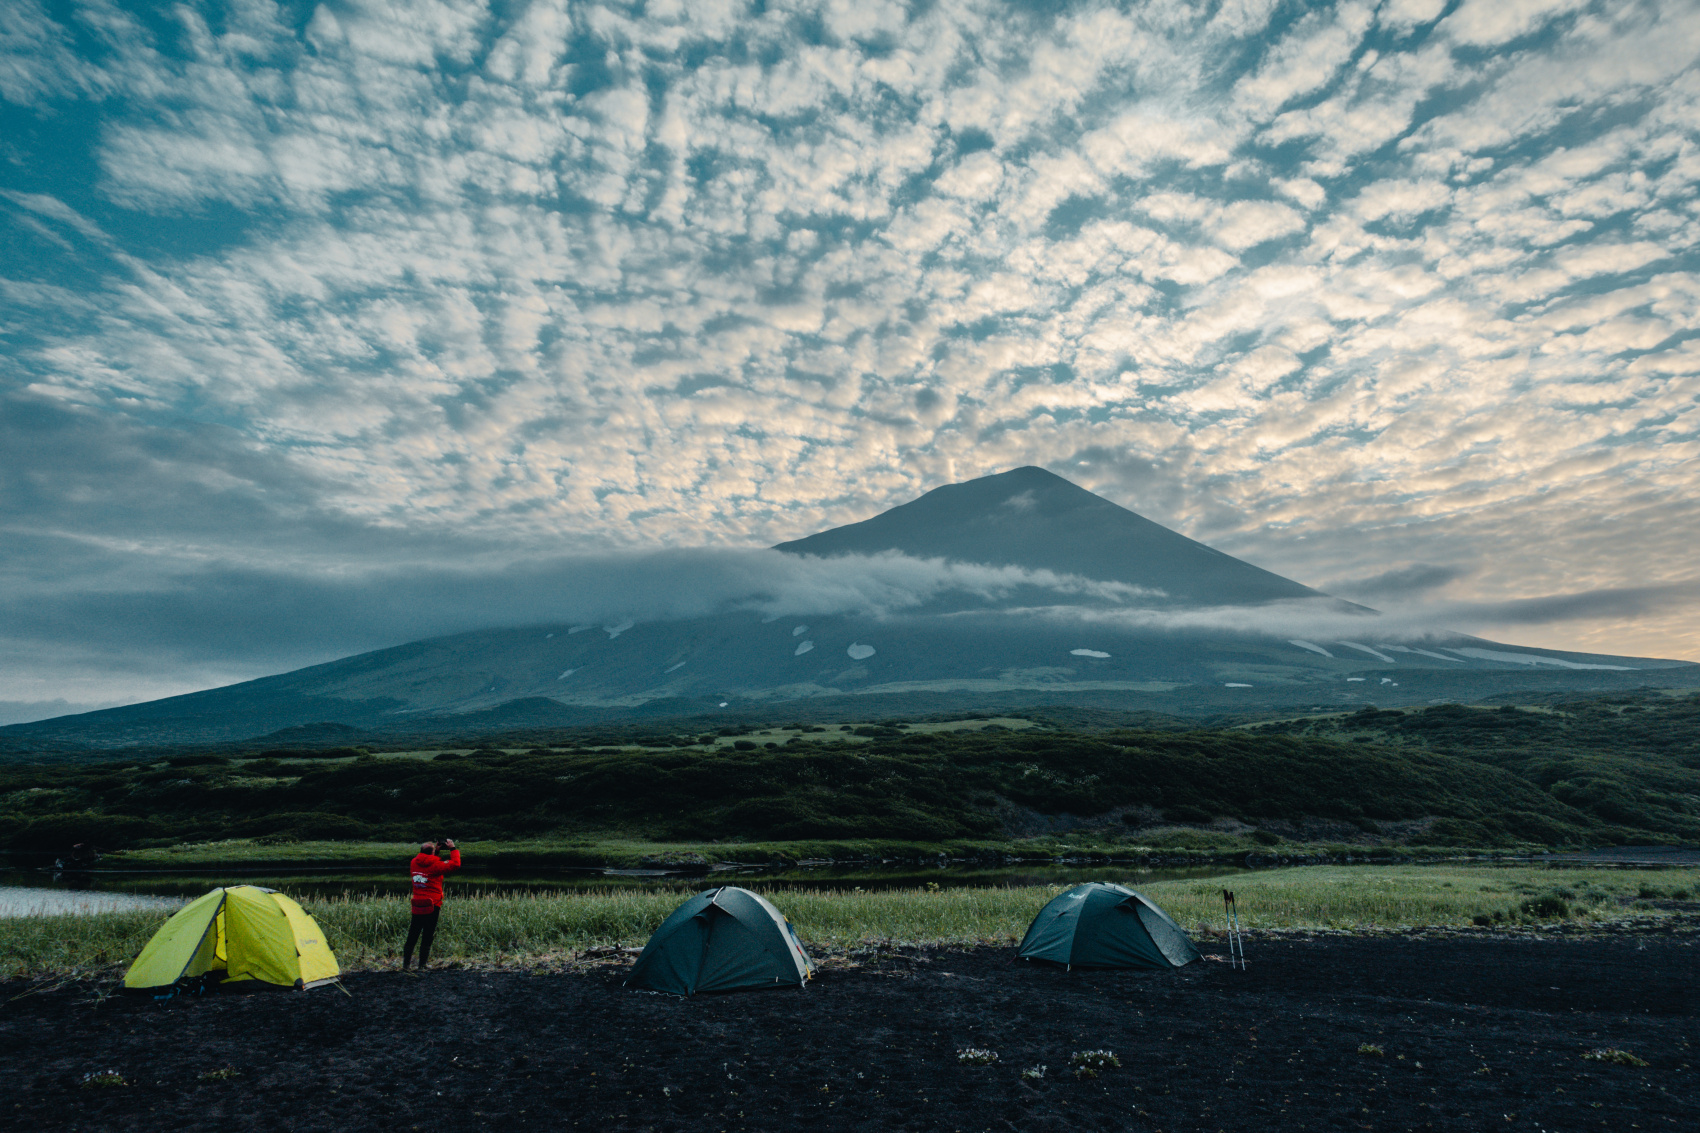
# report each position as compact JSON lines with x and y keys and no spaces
{"x":1443,"y":776}
{"x":1631,"y":761}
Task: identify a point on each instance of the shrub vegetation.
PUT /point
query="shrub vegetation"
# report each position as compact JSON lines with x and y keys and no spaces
{"x":1585,"y":772}
{"x":1629,"y":761}
{"x":928,"y":787}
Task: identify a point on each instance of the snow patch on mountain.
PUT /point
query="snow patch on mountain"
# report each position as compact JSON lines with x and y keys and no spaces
{"x":1376,"y":653}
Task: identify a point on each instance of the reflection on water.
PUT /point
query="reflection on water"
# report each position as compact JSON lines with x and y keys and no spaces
{"x":99,"y":891}
{"x":40,"y":901}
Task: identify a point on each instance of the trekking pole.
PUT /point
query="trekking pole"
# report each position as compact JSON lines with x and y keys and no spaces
{"x":1239,"y":936}
{"x":1231,"y":914}
{"x":1228,"y":923}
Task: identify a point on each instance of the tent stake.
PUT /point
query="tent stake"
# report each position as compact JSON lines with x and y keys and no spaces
{"x":1236,"y":945}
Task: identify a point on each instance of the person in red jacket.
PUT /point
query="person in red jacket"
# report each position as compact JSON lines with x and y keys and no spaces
{"x":428,"y":868}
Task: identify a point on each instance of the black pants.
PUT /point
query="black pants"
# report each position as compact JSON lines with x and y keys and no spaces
{"x":422,"y":931}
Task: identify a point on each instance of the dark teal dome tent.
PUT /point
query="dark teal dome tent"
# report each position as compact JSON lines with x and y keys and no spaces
{"x":725,"y":939}
{"x":1101,"y":925}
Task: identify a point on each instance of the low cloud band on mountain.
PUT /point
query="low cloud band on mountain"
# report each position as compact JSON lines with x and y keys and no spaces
{"x":1610,"y":602}
{"x":256,"y":621}
{"x":1399,"y":582}
{"x":1017,"y":583}
{"x":265,"y":620}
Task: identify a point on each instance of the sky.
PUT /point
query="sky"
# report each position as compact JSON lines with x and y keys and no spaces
{"x":323,"y":324}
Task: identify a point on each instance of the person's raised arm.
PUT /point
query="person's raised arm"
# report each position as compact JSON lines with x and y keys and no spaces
{"x":441,"y":866}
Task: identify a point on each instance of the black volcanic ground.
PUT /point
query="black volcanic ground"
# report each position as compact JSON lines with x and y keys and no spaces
{"x":1477,"y":1034}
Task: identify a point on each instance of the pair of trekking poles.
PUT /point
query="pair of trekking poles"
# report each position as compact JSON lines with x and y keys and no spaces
{"x":1236,"y":946}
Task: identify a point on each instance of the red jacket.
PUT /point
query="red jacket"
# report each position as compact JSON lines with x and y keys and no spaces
{"x":428,"y":871}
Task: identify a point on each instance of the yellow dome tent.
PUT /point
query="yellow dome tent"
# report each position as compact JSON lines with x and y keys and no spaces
{"x":239,"y":933}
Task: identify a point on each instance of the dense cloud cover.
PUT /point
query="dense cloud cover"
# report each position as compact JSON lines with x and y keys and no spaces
{"x":1398,"y":298}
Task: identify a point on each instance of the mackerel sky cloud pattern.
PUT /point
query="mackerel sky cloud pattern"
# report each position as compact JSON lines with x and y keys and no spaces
{"x":1360,"y":292}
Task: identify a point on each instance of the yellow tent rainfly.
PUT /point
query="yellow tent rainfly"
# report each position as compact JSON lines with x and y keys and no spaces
{"x":242,"y":933}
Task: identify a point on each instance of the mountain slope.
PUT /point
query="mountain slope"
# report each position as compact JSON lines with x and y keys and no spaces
{"x":1035,"y":519}
{"x":1032,"y":643}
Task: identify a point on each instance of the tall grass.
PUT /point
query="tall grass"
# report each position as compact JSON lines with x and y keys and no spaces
{"x":72,"y":944}
{"x":527,"y":928}
{"x":1345,"y":897}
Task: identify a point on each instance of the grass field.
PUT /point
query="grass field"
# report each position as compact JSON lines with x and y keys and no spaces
{"x":523,"y":930}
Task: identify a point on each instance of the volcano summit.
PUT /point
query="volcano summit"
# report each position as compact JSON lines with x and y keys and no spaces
{"x":1018,"y":588}
{"x":1034,"y":519}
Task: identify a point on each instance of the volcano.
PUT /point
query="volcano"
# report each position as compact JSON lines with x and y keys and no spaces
{"x":1105,"y":608}
{"x":1037,"y":520}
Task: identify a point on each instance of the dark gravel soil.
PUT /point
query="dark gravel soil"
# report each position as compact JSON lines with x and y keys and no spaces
{"x":1477,"y":1034}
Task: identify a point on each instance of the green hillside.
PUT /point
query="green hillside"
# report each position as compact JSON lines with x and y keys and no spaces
{"x":1425,"y":778}
{"x":1630,"y":761}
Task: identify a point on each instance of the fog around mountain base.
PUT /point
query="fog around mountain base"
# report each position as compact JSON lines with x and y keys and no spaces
{"x":225,"y":623}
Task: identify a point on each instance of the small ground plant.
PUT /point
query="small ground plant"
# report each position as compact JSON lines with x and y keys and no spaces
{"x":1090,"y":1063}
{"x":974,"y":1056}
{"x":1371,"y":1049}
{"x":1547,"y":907}
{"x":1613,"y":1055}
{"x":102,"y":1080}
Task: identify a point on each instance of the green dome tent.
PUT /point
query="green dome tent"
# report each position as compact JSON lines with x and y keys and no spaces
{"x":240,"y":934}
{"x":725,"y":939}
{"x":1101,"y":925}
